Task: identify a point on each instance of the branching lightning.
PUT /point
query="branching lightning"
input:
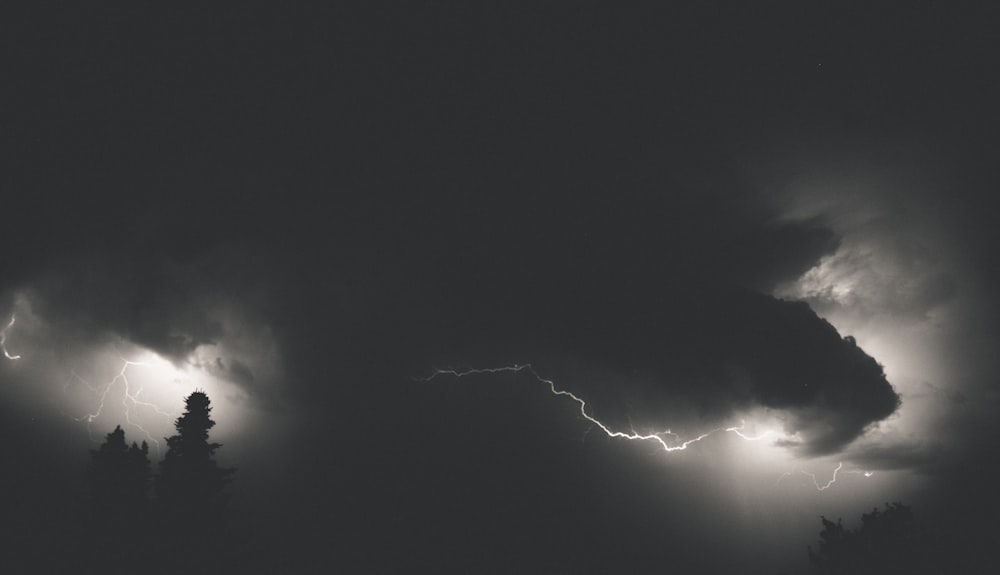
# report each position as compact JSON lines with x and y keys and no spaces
{"x":658,"y":437}
{"x":826,"y":485}
{"x":106,"y":382}
{"x":129,"y":399}
{"x":3,"y":340}
{"x":130,"y":393}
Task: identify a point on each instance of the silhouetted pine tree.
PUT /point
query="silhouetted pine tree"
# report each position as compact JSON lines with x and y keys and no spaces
{"x":189,"y":487}
{"x":120,"y":474}
{"x":115,"y":529}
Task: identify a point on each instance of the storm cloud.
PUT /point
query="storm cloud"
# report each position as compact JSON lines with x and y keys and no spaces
{"x":612,"y":239}
{"x":707,"y":357}
{"x":689,"y":216}
{"x":658,"y":279}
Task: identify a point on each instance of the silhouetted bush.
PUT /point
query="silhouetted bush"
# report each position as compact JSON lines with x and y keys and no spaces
{"x":888,"y":541}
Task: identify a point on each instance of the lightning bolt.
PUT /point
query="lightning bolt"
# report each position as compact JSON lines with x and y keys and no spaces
{"x":832,"y":480}
{"x":655,"y":437}
{"x":129,"y":399}
{"x":131,"y":393}
{"x":826,"y":485}
{"x":3,"y":340}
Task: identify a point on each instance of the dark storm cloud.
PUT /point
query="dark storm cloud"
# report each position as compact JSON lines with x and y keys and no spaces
{"x":799,"y":363}
{"x":710,"y":355}
{"x":164,"y":304}
{"x":922,"y":456}
{"x":386,"y":188}
{"x":400,"y":189}
{"x":262,"y":393}
{"x":221,"y":299}
{"x":236,"y":371}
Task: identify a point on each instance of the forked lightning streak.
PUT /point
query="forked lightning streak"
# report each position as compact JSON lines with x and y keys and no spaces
{"x":129,"y":400}
{"x":657,"y":437}
{"x":130,"y":393}
{"x":826,"y":485}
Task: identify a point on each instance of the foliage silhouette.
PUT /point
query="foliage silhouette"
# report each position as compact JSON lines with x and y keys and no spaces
{"x":120,"y":474}
{"x":118,"y":514}
{"x":191,"y":503}
{"x":190,"y":481}
{"x":888,"y":541}
{"x":183,"y":526}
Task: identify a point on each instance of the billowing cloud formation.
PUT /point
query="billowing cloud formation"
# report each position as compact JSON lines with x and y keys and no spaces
{"x":798,"y":362}
{"x":642,"y":283}
{"x":911,"y":281}
{"x":211,"y":310}
{"x":541,"y":228}
{"x":713,"y":355}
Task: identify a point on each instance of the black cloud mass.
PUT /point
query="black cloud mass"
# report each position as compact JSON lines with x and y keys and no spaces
{"x":407,"y":230}
{"x":664,"y":208}
{"x":710,"y":355}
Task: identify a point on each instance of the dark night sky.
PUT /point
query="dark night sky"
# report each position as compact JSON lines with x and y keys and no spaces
{"x":677,"y":212}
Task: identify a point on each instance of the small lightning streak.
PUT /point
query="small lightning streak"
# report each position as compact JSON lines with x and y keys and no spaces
{"x":3,"y":340}
{"x":130,"y":401}
{"x":827,"y":485}
{"x":657,"y":437}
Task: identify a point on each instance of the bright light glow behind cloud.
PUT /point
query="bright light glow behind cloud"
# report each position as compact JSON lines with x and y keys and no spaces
{"x":144,"y":393}
{"x":748,"y":453}
{"x":898,"y":285}
{"x":107,"y":381}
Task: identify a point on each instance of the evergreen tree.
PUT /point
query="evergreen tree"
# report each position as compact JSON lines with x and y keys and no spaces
{"x":190,"y":484}
{"x":114,"y":529}
{"x":120,"y":474}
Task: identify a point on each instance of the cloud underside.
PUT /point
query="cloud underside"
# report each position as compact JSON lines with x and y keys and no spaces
{"x":720,"y":353}
{"x":660,"y":279}
{"x":714,"y":349}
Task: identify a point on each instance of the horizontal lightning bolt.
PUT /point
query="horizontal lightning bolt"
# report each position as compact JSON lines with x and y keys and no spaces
{"x":3,"y":340}
{"x":657,"y":437}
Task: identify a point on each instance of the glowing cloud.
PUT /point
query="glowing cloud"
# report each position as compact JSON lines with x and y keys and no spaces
{"x":102,"y":376}
{"x":143,"y":392}
{"x":128,"y":395}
